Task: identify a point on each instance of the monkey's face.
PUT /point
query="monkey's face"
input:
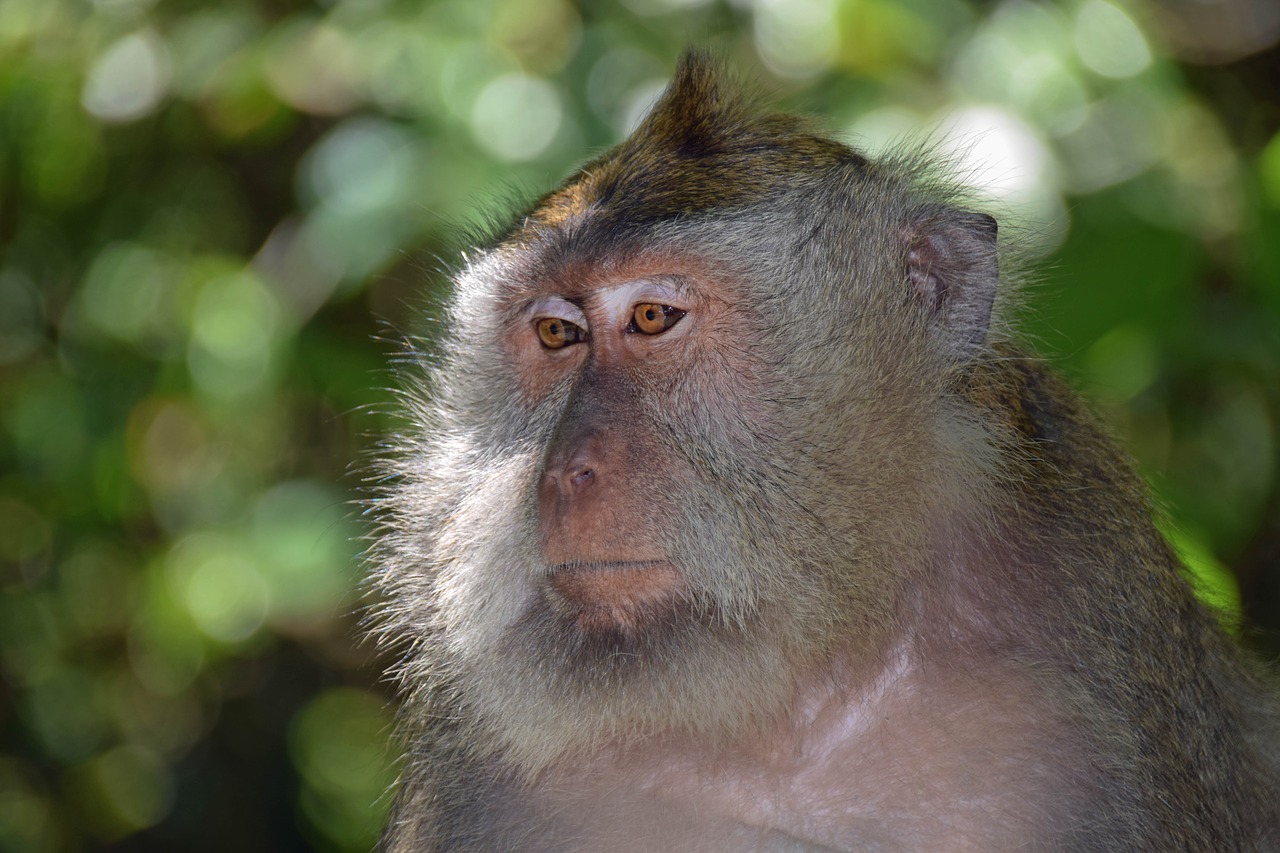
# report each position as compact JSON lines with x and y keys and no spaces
{"x":624,"y":360}
{"x":600,"y":525}
{"x":620,"y":501}
{"x":640,"y":387}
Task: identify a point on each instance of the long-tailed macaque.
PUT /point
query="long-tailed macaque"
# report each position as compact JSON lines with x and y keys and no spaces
{"x":728,"y":520}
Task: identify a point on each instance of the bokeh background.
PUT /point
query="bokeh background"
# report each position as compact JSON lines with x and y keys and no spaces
{"x":217,"y":218}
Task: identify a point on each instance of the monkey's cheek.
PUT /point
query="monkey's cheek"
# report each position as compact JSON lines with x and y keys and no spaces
{"x":617,"y":597}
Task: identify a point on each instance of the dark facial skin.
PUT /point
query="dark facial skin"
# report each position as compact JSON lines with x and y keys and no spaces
{"x":602,"y":525}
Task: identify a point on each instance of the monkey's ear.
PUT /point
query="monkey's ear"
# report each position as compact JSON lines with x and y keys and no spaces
{"x":953,"y":273}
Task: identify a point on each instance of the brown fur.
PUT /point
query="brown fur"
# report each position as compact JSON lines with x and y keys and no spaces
{"x":827,"y":565}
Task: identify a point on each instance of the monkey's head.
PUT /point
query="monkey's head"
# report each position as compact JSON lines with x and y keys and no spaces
{"x":689,"y":436}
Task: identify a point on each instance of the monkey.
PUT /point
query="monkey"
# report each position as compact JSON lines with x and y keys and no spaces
{"x":730,"y":516}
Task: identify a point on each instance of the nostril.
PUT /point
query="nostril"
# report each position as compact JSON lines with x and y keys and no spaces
{"x":576,"y":470}
{"x":580,"y":476}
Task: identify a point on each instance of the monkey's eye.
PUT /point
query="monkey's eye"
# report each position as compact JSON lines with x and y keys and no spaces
{"x":557,"y":334}
{"x":650,"y":318}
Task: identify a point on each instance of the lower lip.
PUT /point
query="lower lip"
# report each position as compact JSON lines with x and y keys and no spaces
{"x":632,"y":587}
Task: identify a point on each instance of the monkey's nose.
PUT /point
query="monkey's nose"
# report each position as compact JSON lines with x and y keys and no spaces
{"x":570,"y":480}
{"x":576,"y":465}
{"x":579,"y":472}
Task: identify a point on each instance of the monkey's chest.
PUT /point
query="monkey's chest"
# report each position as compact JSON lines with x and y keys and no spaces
{"x":909,"y":773}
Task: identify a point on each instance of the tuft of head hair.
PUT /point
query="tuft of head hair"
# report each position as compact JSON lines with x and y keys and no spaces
{"x":703,"y":146}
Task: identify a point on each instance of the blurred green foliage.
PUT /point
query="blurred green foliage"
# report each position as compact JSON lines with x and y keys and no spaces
{"x":208,"y":210}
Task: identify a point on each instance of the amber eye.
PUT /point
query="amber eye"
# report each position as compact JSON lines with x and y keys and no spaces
{"x":650,"y":318}
{"x":556,"y":333}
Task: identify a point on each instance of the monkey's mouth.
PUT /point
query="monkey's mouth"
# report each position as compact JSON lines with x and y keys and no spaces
{"x":617,"y":596}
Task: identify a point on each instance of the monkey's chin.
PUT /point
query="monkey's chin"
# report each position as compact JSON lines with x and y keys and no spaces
{"x":617,"y":596}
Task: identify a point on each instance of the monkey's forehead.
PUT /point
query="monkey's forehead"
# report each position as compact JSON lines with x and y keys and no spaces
{"x":584,"y":265}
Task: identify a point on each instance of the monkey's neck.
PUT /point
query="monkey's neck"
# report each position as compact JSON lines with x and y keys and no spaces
{"x":1065,"y":539}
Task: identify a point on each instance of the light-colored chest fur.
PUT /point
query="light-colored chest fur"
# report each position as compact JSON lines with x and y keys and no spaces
{"x":920,"y":759}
